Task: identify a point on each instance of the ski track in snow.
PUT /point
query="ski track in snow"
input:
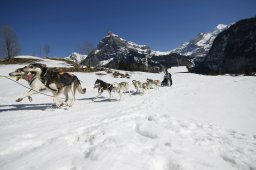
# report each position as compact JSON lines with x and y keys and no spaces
{"x":139,"y":132}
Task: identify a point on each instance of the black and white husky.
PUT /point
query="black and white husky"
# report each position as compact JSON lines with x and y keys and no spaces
{"x":101,"y":85}
{"x":58,"y":83}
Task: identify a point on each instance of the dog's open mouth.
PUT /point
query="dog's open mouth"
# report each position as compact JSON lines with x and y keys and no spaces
{"x":30,"y":76}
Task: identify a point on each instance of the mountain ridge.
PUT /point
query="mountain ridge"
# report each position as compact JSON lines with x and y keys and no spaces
{"x":113,"y":51}
{"x":118,"y":53}
{"x":200,"y":46}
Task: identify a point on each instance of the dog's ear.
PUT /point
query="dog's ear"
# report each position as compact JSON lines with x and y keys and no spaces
{"x":38,"y":65}
{"x":19,"y":69}
{"x":41,"y":65}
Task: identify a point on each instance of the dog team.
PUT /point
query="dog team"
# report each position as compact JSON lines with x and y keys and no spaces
{"x":40,"y":78}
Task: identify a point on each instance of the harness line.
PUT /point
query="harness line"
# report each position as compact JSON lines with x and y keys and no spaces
{"x":25,"y":86}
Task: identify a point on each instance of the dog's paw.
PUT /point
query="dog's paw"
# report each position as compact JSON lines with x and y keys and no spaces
{"x":54,"y":106}
{"x":69,"y":104}
{"x":30,"y":98}
{"x":66,"y":104}
{"x":60,"y":105}
{"x":19,"y":99}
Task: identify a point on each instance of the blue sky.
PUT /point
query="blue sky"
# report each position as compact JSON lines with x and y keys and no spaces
{"x":161,"y":24}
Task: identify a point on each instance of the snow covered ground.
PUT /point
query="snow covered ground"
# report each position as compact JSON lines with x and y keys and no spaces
{"x":200,"y":123}
{"x":48,"y":62}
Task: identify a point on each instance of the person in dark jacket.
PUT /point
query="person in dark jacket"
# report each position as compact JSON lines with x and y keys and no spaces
{"x":168,"y":78}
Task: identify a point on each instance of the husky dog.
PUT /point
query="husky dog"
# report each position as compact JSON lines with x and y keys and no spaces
{"x":101,"y":85}
{"x":57,"y":83}
{"x":137,"y":85}
{"x":150,"y":83}
{"x":121,"y":88}
{"x":157,"y":83}
{"x":145,"y":87}
{"x":35,"y":84}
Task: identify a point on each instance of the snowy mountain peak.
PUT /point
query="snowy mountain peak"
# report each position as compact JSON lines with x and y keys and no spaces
{"x":200,"y":46}
{"x":114,"y":39}
{"x":76,"y":57}
{"x":111,"y":34}
{"x":116,"y":52}
{"x":221,"y":27}
{"x":142,"y":49}
{"x":112,"y":44}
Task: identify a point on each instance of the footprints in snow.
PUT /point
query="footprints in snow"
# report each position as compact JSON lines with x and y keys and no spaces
{"x":235,"y":148}
{"x":162,"y":135}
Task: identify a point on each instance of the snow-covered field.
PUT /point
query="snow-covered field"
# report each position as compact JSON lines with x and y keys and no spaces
{"x":200,"y":123}
{"x":48,"y":62}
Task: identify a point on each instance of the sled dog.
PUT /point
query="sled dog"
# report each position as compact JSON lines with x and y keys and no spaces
{"x":157,"y":83}
{"x":121,"y":88}
{"x":145,"y":87}
{"x":101,"y":85}
{"x":137,"y":85}
{"x":57,"y":83}
{"x":35,"y":84}
{"x":150,"y":83}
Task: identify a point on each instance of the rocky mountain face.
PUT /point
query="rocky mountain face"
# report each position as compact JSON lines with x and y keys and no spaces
{"x":117,"y":53}
{"x":233,"y":50}
{"x":200,"y":46}
{"x":113,"y":47}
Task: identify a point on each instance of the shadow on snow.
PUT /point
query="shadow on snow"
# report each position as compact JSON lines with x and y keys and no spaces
{"x":16,"y":107}
{"x":99,"y":99}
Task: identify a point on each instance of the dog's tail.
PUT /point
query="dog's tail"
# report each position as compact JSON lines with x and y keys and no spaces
{"x":78,"y":86}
